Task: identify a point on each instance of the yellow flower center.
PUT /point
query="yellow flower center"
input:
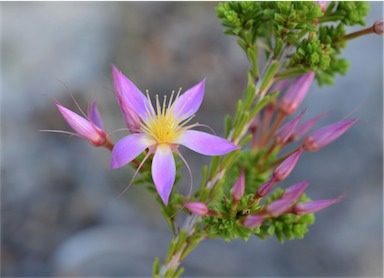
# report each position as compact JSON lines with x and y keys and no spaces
{"x":163,"y":124}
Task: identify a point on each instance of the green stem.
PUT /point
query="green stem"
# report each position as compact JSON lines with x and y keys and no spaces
{"x":192,"y":221}
{"x":357,"y":34}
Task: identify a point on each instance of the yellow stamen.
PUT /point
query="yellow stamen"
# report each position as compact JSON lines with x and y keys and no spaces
{"x":162,"y":123}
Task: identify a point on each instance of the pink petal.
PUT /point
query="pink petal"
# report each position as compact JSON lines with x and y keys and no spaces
{"x":94,"y":115}
{"x":189,"y":102}
{"x":205,"y":143}
{"x":163,"y":171}
{"x":128,"y":95}
{"x":129,"y":148}
{"x":82,"y":126}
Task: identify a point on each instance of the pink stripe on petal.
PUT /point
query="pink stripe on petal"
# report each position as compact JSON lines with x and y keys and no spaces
{"x":206,"y":143}
{"x":189,"y":102}
{"x":129,"y":148}
{"x":163,"y":171}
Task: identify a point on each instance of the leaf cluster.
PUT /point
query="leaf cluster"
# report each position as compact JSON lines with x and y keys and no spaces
{"x":301,"y":28}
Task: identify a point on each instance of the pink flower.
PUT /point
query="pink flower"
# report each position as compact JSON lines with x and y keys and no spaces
{"x":324,"y":136}
{"x":296,"y":93}
{"x":239,"y":187}
{"x":90,"y":129}
{"x":161,"y":129}
{"x":197,"y":208}
{"x":313,"y":206}
{"x":252,"y":221}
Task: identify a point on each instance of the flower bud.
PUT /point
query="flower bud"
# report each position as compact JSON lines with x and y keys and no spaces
{"x":286,"y":167}
{"x":324,"y":136}
{"x":278,"y":207}
{"x":265,"y":188}
{"x":84,"y":128}
{"x":322,"y":4}
{"x":296,"y":93}
{"x":239,"y":187}
{"x":285,"y":132}
{"x":310,"y":207}
{"x":378,"y":27}
{"x":252,"y":221}
{"x":295,"y":191}
{"x":303,"y":128}
{"x":197,"y":208}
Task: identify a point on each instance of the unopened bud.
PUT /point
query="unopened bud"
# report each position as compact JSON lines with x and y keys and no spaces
{"x":322,"y":4}
{"x":286,"y":167}
{"x":296,"y":93}
{"x":303,"y":128}
{"x":265,"y":188}
{"x":278,"y":207}
{"x":295,"y":191}
{"x":239,"y":187}
{"x":197,"y":208}
{"x":310,"y":207}
{"x":87,"y":129}
{"x":378,"y":27}
{"x":252,"y":221}
{"x":285,"y":132}
{"x":324,"y":136}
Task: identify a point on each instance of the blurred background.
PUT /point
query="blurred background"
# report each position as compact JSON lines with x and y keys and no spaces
{"x":59,"y":212}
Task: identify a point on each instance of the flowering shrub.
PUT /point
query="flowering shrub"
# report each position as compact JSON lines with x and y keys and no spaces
{"x":238,"y":195}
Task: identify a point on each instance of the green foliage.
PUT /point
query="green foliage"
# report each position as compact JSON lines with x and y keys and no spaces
{"x":286,"y":226}
{"x":312,"y":54}
{"x":229,"y":227}
{"x":349,"y":12}
{"x":295,"y":26}
{"x":228,"y":224}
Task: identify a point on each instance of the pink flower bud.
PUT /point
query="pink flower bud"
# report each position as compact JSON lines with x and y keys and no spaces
{"x":303,"y":128}
{"x":278,"y":207}
{"x":286,"y":167}
{"x":197,"y":208}
{"x":296,"y":93}
{"x":265,"y":188}
{"x":310,"y":207}
{"x":295,"y":191}
{"x":84,"y":128}
{"x":252,"y":221}
{"x":239,"y":187}
{"x":278,"y":86}
{"x":322,"y":4}
{"x":285,"y":132}
{"x":324,"y":136}
{"x":378,"y":27}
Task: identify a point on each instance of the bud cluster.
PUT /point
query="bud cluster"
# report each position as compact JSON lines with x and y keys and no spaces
{"x":250,"y":207}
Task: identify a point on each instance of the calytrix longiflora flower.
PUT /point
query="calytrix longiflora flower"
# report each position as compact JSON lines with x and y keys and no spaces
{"x":161,"y":128}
